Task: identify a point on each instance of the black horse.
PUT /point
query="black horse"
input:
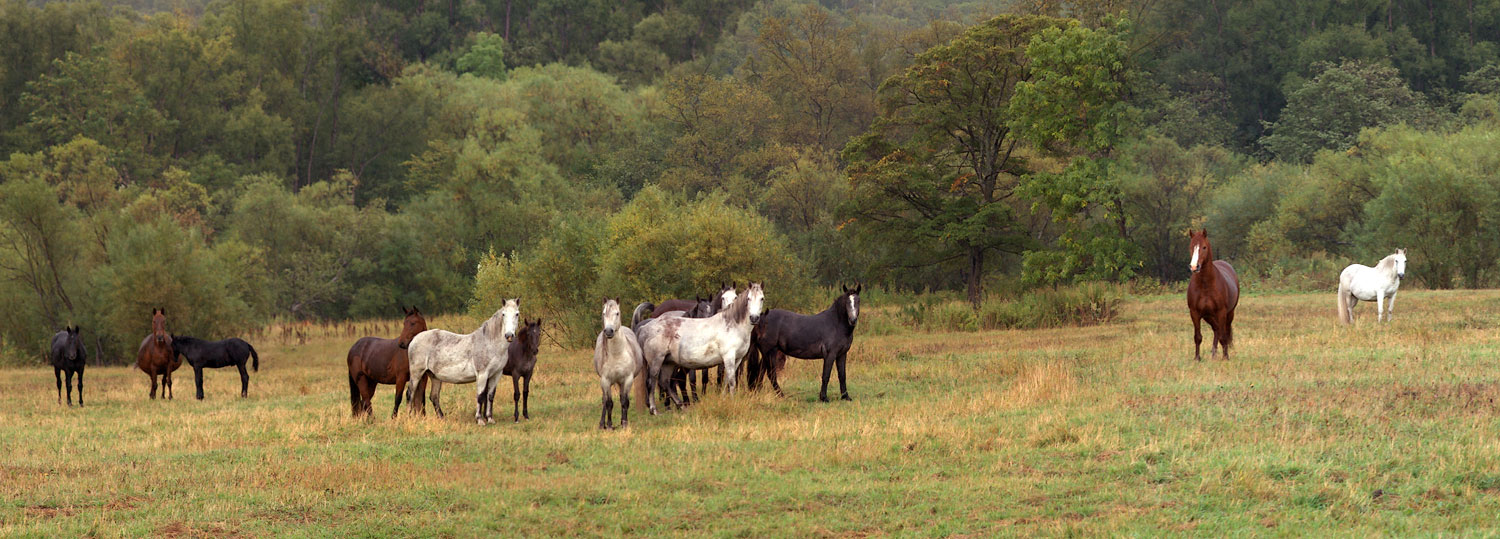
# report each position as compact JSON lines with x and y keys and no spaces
{"x":521,"y":363}
{"x":203,"y":354}
{"x":68,"y":356}
{"x":825,"y":335}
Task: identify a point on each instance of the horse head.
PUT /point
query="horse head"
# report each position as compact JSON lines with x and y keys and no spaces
{"x":1400,"y":262}
{"x":413,"y":325}
{"x":508,"y":315}
{"x":73,"y":349}
{"x":852,"y":304}
{"x":159,"y":325}
{"x":611,"y":317}
{"x":1202,"y":251}
{"x":726,"y":297}
{"x":703,"y":309}
{"x":755,"y":298}
{"x":531,"y":336}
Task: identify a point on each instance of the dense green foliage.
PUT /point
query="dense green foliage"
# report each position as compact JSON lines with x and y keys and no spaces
{"x":243,"y":161}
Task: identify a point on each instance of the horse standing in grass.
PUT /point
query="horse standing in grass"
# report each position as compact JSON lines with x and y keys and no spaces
{"x":521,"y":363}
{"x":695,"y":343}
{"x":826,"y":335}
{"x":155,"y":356}
{"x":617,"y":361}
{"x":1359,"y":282}
{"x":1213,"y":293}
{"x":68,"y":356}
{"x":203,"y":354}
{"x":373,"y":361}
{"x":478,"y":358}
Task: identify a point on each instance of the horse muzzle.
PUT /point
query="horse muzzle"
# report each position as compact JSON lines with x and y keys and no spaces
{"x":609,"y":333}
{"x":510,"y":337}
{"x":755,"y":320}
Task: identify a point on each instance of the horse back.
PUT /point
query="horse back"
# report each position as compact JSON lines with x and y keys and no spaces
{"x":380,"y":359}
{"x":800,"y":335}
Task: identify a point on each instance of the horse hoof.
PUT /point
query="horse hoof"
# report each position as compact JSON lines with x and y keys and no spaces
{"x":479,"y":420}
{"x":624,"y":424}
{"x":846,"y":398}
{"x":823,"y":398}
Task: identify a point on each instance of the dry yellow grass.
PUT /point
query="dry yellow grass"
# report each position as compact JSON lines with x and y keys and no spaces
{"x":1311,"y":428}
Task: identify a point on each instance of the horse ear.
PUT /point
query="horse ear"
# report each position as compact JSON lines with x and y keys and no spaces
{"x":858,"y":286}
{"x":1205,"y":232}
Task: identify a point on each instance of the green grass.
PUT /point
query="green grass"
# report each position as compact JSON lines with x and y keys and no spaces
{"x":1311,"y":428}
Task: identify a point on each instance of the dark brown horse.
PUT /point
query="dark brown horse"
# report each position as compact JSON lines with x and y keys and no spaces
{"x":520,"y":363}
{"x":1212,"y":294}
{"x":68,"y":356}
{"x":826,"y":335}
{"x":373,"y":361}
{"x":155,"y":356}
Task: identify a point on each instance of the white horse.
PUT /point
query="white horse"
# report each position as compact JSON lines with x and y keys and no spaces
{"x":1378,"y":284}
{"x":478,"y":358}
{"x":617,"y":360}
{"x":695,"y":343}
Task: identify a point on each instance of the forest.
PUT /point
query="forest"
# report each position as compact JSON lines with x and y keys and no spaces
{"x":236,"y":162}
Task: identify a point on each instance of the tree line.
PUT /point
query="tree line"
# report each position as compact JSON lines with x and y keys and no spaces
{"x":241,"y":160}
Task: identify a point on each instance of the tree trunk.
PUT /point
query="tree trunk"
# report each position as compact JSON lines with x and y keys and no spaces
{"x":976,"y":272}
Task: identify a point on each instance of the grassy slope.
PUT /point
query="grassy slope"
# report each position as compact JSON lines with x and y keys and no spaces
{"x":1099,"y":430}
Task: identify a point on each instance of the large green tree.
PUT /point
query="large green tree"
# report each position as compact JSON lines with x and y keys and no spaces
{"x":942,"y":161}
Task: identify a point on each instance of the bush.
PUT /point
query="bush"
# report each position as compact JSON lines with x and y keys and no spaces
{"x":1082,"y":305}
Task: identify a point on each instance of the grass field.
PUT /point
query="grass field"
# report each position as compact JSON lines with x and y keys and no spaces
{"x":1310,"y":428}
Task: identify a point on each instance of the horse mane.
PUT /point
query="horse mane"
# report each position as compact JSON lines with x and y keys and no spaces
{"x":1387,"y":263}
{"x":839,"y":312}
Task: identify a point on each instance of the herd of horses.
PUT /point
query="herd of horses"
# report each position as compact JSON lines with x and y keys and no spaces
{"x":672,"y":344}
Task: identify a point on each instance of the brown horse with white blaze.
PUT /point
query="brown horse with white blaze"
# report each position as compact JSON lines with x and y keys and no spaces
{"x":1213,"y":293}
{"x":156,"y":357}
{"x":373,"y":361}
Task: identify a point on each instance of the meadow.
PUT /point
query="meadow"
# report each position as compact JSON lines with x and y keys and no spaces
{"x":1311,"y":427}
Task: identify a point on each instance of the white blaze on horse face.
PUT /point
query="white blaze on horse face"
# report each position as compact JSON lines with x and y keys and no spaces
{"x":611,"y":318}
{"x":853,"y":308}
{"x":1193,"y":264}
{"x":727,"y":298}
{"x":508,"y":315}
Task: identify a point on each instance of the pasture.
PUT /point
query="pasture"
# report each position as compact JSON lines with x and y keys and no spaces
{"x":1312,"y":427}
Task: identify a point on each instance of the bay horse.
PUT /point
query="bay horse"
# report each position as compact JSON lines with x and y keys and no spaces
{"x":68,"y":356}
{"x":373,"y":361}
{"x":155,"y":356}
{"x":231,"y":352}
{"x":478,"y":358}
{"x":521,"y":363}
{"x":826,"y":335}
{"x":1359,"y":282}
{"x":695,"y":343}
{"x":617,"y":361}
{"x":1212,"y":294}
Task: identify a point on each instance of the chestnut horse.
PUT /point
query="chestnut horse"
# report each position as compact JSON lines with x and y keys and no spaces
{"x":1212,"y":294}
{"x":156,"y":356}
{"x":373,"y":361}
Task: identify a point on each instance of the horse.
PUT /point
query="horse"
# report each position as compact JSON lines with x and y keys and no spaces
{"x":1359,"y":282}
{"x":203,"y":354}
{"x":155,"y":356}
{"x":478,"y":358}
{"x":68,"y":356}
{"x":373,"y":361}
{"x":521,"y":363}
{"x":826,"y":335}
{"x":692,"y":343}
{"x":1212,"y":294}
{"x":617,"y":361}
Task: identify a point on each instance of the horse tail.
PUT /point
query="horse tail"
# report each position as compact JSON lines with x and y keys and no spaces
{"x":1344,"y":301}
{"x":640,"y":314}
{"x":254,"y":357}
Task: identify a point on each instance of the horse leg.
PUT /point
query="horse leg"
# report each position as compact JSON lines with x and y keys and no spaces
{"x":367,"y":387}
{"x":400,"y":388}
{"x":56,"y":371}
{"x":418,"y":396}
{"x":1390,"y":305}
{"x":166,"y":382}
{"x":153,"y":385}
{"x":843,"y":389}
{"x":719,"y":372}
{"x":526,"y":398}
{"x":731,"y":364}
{"x":481,"y":383}
{"x":68,"y":382}
{"x":625,"y":403}
{"x":653,"y":373}
{"x":245,"y":382}
{"x":80,"y":386}
{"x":489,"y":407}
{"x":827,"y":371}
{"x":674,"y":394}
{"x":1379,"y":307}
{"x":354,"y":400}
{"x":770,"y":367}
{"x":1197,"y":337}
{"x":437,"y":396}
{"x":515,"y":385}
{"x":198,"y":380}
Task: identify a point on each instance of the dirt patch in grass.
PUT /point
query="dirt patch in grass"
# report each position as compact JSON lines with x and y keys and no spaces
{"x":47,"y":511}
